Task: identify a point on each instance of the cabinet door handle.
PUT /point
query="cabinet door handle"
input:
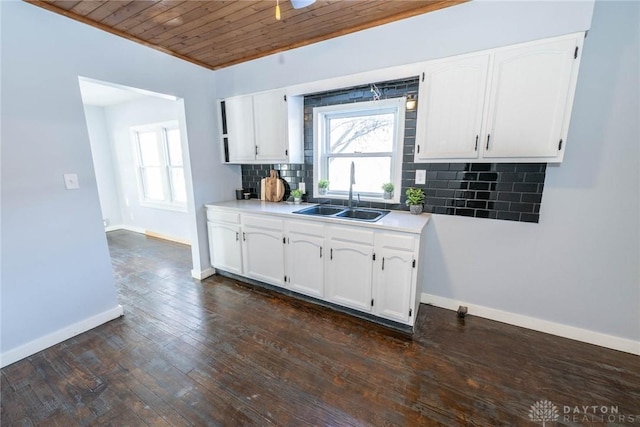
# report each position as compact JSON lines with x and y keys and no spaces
{"x":331,"y":254}
{"x":488,"y":136}
{"x":320,"y":251}
{"x":383,"y":263}
{"x":244,"y":236}
{"x":237,"y":236}
{"x":476,"y":149}
{"x":256,"y":150}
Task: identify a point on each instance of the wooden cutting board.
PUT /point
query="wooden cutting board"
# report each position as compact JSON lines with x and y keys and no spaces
{"x":272,"y":188}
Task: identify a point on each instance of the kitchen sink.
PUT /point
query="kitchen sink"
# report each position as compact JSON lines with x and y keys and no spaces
{"x":321,"y":210}
{"x":369,"y":215}
{"x":362,"y":214}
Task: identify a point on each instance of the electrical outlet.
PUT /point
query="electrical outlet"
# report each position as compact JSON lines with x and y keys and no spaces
{"x":421,"y":176}
{"x":71,"y":181}
{"x":302,"y":187}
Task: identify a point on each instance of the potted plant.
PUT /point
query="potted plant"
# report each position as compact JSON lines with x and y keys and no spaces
{"x":415,"y":200}
{"x":323,"y":186}
{"x":388,"y":190}
{"x":297,"y":196}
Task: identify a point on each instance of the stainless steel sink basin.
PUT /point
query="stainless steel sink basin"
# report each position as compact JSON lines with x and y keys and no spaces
{"x":321,"y":210}
{"x":369,"y":215}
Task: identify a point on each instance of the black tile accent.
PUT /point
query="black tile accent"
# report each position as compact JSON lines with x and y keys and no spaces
{"x":504,"y":191}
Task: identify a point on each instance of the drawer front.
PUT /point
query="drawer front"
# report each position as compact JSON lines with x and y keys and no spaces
{"x":223,"y":216}
{"x":309,"y":228}
{"x":262,"y":221}
{"x":398,"y":241}
{"x":351,"y":234}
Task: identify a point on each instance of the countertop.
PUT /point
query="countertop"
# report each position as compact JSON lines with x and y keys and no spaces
{"x":394,"y":220}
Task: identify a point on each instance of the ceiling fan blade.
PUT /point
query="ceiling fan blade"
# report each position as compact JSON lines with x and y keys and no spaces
{"x":299,"y":4}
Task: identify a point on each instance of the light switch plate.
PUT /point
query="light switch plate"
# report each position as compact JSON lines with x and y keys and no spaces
{"x":71,"y":181}
{"x":421,"y":176}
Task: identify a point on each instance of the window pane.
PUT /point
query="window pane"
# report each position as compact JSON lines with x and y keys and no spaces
{"x":175,"y":150}
{"x":362,"y":134}
{"x":149,"y":153}
{"x":152,"y":177}
{"x":371,"y":173}
{"x":178,"y":185}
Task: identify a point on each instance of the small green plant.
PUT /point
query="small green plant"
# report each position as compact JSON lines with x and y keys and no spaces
{"x":323,"y":183}
{"x":415,"y":196}
{"x":388,"y":187}
{"x":296,"y":193}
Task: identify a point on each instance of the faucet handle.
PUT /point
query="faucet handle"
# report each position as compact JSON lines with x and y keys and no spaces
{"x":358,"y":198}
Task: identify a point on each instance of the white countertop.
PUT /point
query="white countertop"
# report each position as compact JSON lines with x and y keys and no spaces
{"x":394,"y":220}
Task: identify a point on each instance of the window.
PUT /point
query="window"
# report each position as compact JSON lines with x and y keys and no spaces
{"x":369,"y":134}
{"x":158,"y":152}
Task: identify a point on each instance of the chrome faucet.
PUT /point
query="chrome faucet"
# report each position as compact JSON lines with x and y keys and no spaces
{"x":351,"y":182}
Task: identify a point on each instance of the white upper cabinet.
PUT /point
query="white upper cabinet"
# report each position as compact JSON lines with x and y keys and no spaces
{"x":240,"y":130}
{"x":530,"y":100}
{"x":265,"y":127}
{"x":270,"y":124}
{"x":451,"y":102}
{"x":511,"y":104}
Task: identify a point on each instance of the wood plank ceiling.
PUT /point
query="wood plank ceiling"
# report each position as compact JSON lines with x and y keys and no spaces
{"x":219,"y":33}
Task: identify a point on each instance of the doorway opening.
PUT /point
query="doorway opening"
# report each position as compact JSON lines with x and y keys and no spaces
{"x":139,"y":147}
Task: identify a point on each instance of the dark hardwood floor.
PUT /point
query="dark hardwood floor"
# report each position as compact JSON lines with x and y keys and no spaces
{"x":220,"y":353}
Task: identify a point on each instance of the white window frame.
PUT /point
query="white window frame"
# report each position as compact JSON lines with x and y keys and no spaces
{"x":396,"y":106}
{"x":167,"y":182}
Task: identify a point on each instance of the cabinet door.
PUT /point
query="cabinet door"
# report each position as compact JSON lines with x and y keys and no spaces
{"x":305,"y":264}
{"x":240,"y":128}
{"x":263,"y":252}
{"x":530,"y":98}
{"x":450,"y":109}
{"x":393,"y":280}
{"x":270,"y":116}
{"x":225,"y":249}
{"x":348,"y":274}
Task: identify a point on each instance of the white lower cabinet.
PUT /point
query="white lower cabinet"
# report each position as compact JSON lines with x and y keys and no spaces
{"x":365,"y":269}
{"x":225,"y":247}
{"x":349,"y":268}
{"x":394,"y":277}
{"x":263,"y":249}
{"x":305,"y":257}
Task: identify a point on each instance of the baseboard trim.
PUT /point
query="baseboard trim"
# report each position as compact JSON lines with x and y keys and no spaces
{"x":553,"y":328}
{"x":165,"y":237}
{"x":42,"y":343}
{"x":149,"y":233}
{"x":201,"y":275}
{"x":125,"y":227}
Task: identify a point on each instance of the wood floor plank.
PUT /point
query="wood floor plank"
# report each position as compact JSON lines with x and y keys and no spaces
{"x":219,"y":352}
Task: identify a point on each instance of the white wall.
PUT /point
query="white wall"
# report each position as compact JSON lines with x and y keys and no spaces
{"x":119,"y":119}
{"x":103,"y":164}
{"x":577,"y":267}
{"x":56,"y":270}
{"x":468,"y":27}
